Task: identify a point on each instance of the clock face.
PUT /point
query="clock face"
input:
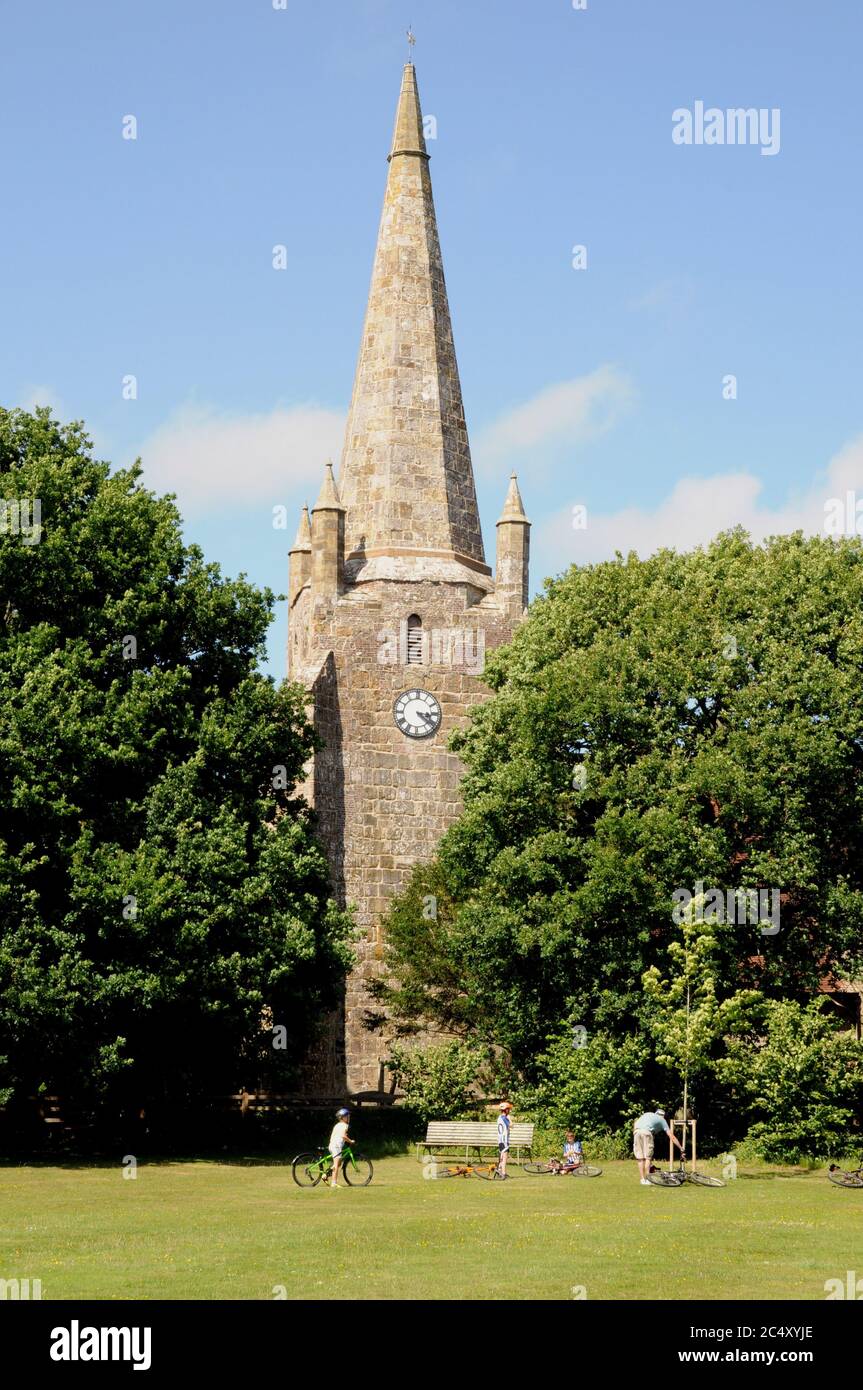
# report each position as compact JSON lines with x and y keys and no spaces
{"x":417,"y":713}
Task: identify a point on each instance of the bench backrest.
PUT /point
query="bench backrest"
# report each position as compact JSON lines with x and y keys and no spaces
{"x":475,"y":1132}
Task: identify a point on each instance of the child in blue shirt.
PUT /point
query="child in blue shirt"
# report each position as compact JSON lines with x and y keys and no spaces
{"x":504,"y":1125}
{"x":573,"y":1156}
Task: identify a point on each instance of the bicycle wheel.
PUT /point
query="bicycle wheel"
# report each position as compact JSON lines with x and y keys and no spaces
{"x":843,"y":1179}
{"x":536,"y":1167}
{"x":307,"y":1170}
{"x":662,"y":1179}
{"x":358,"y":1171}
{"x":487,"y":1171}
{"x":704,"y":1180}
{"x":584,"y":1170}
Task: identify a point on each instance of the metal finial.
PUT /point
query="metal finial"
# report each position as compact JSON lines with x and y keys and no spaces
{"x":411,"y":42}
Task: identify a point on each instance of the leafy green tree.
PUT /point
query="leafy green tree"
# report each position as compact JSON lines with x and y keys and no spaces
{"x":684,"y":1018}
{"x":161,"y":891}
{"x":798,"y":1079}
{"x":655,"y":723}
{"x":593,"y":1089}
{"x":438,"y":1080}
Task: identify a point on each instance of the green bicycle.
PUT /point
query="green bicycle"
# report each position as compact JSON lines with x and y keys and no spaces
{"x":308,"y":1169}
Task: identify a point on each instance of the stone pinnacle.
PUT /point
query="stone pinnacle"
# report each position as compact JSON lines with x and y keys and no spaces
{"x":328,"y":498}
{"x":513,"y":507}
{"x":304,"y":531}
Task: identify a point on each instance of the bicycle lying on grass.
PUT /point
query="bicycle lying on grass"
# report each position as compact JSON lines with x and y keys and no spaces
{"x":676,"y":1177}
{"x":852,"y":1177}
{"x":308,"y":1169}
{"x":557,"y":1165}
{"x":489,"y":1171}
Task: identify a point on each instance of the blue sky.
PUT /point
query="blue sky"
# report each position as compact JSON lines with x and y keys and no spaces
{"x":602,"y":387}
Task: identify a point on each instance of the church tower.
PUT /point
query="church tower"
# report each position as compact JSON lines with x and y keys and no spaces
{"x":392,"y":606}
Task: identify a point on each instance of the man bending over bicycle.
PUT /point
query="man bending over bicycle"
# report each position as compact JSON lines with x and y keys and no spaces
{"x":646,"y":1126}
{"x":338,"y":1139}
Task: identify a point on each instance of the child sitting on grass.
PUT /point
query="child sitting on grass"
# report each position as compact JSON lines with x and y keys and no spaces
{"x":573,"y":1156}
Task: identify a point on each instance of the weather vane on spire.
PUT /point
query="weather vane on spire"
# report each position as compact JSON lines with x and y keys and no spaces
{"x":411,"y":42}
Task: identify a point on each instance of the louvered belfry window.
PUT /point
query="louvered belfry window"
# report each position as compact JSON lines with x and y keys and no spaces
{"x":415,"y":640}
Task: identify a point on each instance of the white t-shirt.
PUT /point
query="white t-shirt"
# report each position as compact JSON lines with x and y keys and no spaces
{"x":337,"y":1138}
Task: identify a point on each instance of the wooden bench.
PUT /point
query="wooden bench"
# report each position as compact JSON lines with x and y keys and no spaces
{"x":474,"y":1135}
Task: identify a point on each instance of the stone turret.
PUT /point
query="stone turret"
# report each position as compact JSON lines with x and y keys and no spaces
{"x":513,"y":552}
{"x":328,"y":539}
{"x":300,"y":559}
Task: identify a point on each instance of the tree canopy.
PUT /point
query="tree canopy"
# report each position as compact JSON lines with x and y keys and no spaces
{"x":161,"y":891}
{"x":690,"y":721}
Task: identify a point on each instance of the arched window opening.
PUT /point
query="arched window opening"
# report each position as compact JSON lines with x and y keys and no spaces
{"x":415,"y":640}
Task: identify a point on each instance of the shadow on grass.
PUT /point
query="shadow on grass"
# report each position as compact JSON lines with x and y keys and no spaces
{"x":282,"y":1159}
{"x":793,"y":1171}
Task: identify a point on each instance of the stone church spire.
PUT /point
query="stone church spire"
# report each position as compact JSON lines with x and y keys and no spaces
{"x":406,"y":479}
{"x":392,"y":605}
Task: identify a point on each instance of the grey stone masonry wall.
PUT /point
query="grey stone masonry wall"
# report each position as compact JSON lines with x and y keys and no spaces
{"x":383,"y":800}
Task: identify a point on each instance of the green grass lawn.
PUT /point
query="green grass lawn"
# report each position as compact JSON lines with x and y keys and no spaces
{"x":197,"y":1230}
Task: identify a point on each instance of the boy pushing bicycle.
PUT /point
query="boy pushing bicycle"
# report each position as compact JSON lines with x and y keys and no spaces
{"x":338,"y":1139}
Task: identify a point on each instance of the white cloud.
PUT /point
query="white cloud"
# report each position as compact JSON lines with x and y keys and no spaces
{"x":667,"y":295}
{"x":695,"y":511}
{"x":211,"y":459}
{"x":570,"y":413}
{"x":43,"y":395}
{"x":46,"y":395}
